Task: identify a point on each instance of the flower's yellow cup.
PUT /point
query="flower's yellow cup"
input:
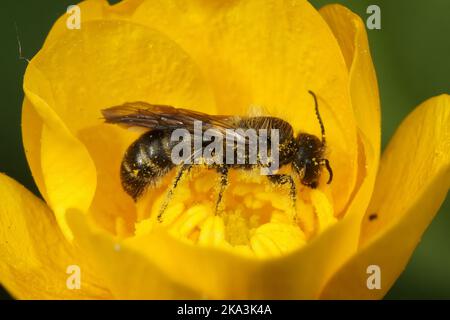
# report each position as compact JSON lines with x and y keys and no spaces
{"x":216,"y":57}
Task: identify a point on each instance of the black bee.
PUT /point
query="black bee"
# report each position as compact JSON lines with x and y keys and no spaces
{"x":148,"y":159}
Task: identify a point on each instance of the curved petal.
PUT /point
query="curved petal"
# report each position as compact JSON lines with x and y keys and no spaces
{"x":350,"y":31}
{"x":412,"y":183}
{"x":62,"y":156}
{"x":70,"y":81}
{"x":220,"y":274}
{"x":114,"y":261}
{"x":106,"y":63}
{"x":93,"y":10}
{"x":31,"y":137}
{"x":269,"y":54}
{"x":35,"y":254}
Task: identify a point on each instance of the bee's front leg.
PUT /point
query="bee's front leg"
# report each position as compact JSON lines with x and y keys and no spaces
{"x":223,"y":170}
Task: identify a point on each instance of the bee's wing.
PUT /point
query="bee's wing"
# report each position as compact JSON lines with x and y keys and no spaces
{"x":164,"y":117}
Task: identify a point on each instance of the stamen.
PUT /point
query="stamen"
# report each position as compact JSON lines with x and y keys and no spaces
{"x":191,"y":219}
{"x":172,"y":213}
{"x":286,"y":237}
{"x":263,"y":246}
{"x":212,"y":232}
{"x":324,"y":209}
{"x":307,"y":219}
{"x":256,"y":219}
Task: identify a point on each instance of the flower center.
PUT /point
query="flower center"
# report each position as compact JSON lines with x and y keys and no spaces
{"x":255,"y":218}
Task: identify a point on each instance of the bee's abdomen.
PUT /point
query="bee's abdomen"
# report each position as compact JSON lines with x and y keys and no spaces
{"x":145,"y":162}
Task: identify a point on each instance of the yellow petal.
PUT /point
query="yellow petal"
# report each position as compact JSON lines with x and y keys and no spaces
{"x":31,"y":136}
{"x":285,"y":237}
{"x":35,"y":254}
{"x":213,"y":271}
{"x":218,"y":273}
{"x":70,"y":81}
{"x":350,"y":32}
{"x":268,"y":54}
{"x":413,"y":181}
{"x":63,"y":157}
{"x":90,"y":70}
{"x":93,"y":10}
{"x":128,"y":274}
{"x":110,"y":206}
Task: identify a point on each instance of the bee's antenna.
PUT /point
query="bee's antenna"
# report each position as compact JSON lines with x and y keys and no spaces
{"x":322,"y":128}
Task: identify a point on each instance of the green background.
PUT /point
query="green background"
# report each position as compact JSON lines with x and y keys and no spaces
{"x":411,"y":55}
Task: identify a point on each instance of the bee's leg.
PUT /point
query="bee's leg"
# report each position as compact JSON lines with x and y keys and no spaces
{"x":223,"y":170}
{"x":282,"y":179}
{"x":183,"y":170}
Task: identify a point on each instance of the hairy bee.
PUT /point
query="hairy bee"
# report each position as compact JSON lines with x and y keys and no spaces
{"x":149,"y":159}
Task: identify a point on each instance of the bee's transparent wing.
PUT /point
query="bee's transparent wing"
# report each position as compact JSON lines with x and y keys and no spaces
{"x":164,"y":117}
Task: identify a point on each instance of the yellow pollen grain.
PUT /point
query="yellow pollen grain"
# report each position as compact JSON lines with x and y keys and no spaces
{"x":236,"y":228}
{"x":254,"y":221}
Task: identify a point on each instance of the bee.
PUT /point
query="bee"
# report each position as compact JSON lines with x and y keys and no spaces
{"x":148,"y":159}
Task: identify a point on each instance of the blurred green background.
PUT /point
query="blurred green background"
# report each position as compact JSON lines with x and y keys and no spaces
{"x":411,"y":54}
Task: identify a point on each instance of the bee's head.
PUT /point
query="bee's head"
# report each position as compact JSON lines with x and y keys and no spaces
{"x":308,"y":160}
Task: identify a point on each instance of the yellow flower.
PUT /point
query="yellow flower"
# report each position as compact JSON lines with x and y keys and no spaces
{"x":216,"y":57}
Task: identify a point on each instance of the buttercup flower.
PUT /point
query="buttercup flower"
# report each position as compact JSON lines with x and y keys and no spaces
{"x":216,"y":57}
